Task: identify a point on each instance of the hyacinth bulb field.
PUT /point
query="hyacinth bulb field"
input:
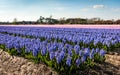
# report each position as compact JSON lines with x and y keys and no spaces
{"x":66,"y":50}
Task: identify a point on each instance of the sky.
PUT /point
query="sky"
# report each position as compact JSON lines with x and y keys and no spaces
{"x":32,"y":9}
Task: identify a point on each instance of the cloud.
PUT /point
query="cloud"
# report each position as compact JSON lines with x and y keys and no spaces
{"x":98,"y":6}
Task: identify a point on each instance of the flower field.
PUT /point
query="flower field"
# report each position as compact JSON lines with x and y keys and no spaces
{"x":66,"y":50}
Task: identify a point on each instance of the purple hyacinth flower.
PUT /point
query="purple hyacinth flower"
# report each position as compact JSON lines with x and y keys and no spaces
{"x":78,"y":62}
{"x":86,"y":51}
{"x":44,"y":51}
{"x":68,"y":61}
{"x":62,"y":55}
{"x":56,"y":53}
{"x":108,"y":43}
{"x":97,"y":50}
{"x":70,"y":52}
{"x":91,"y":55}
{"x":52,"y":55}
{"x":51,"y":49}
{"x":95,"y":42}
{"x":76,"y":48}
{"x":16,"y":45}
{"x":67,"y":46}
{"x":93,"y":51}
{"x":64,"y":49}
{"x":34,"y":52}
{"x":58,"y":59}
{"x":102,"y":52}
{"x":80,"y":53}
{"x":9,"y":46}
{"x":83,"y":58}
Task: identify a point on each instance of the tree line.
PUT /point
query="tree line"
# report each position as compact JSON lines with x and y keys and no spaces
{"x":50,"y":20}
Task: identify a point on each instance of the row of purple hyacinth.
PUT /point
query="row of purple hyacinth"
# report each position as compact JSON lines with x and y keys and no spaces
{"x":57,"y":51}
{"x":105,"y":36}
